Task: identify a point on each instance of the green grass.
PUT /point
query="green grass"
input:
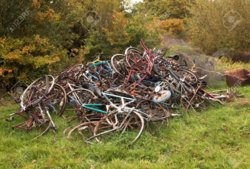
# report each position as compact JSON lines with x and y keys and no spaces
{"x":226,"y":64}
{"x":216,"y":138}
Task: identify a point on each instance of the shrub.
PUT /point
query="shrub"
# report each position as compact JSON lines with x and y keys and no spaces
{"x":215,"y":25}
{"x":172,"y":26}
{"x":24,"y":59}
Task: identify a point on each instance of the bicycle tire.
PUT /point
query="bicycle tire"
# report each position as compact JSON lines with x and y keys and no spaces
{"x":43,"y":91}
{"x":115,"y":63}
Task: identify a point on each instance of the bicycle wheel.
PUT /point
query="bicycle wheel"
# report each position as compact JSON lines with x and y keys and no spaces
{"x":117,"y":63}
{"x":56,"y":99}
{"x":132,"y":55}
{"x":73,"y":69}
{"x":82,"y":128}
{"x":132,"y":50}
{"x":115,"y":122}
{"x":187,"y":76}
{"x":154,"y":111}
{"x":134,"y":121}
{"x":80,"y":96}
{"x":93,"y":127}
{"x":36,"y":91}
{"x":160,"y":67}
{"x":72,"y":73}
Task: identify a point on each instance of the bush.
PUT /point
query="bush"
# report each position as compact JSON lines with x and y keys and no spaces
{"x":123,"y":31}
{"x":24,"y":59}
{"x":172,"y":26}
{"x":222,"y":24}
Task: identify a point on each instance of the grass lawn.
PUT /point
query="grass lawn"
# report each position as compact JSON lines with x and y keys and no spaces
{"x":216,"y":138}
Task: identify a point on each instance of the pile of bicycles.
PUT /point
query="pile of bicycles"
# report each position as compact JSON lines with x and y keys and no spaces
{"x":117,"y":95}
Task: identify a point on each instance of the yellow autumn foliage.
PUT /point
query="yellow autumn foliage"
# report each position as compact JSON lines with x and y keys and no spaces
{"x":173,"y":25}
{"x":27,"y":58}
{"x":48,"y":15}
{"x":117,"y":34}
{"x":36,"y":4}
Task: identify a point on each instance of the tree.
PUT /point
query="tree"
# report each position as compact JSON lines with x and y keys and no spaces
{"x":222,"y":24}
{"x":33,"y":36}
{"x":165,"y":9}
{"x":27,"y":58}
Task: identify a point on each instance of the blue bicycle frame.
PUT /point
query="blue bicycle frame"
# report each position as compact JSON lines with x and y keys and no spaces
{"x":96,"y":107}
{"x":107,"y":68}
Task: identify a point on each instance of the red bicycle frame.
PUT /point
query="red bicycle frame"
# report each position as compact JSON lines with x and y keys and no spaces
{"x":139,"y":67}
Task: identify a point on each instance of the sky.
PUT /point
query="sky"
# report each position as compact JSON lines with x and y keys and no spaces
{"x":128,"y":4}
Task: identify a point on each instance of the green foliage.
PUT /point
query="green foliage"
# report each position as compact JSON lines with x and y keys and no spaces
{"x":169,"y":14}
{"x":122,"y":31}
{"x":172,"y":26}
{"x":82,"y":28}
{"x":220,"y":24}
{"x":165,"y":9}
{"x":34,"y":35}
{"x":28,"y":58}
{"x":10,"y":11}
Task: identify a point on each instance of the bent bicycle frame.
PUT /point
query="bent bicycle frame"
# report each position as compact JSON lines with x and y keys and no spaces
{"x":122,"y":107}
